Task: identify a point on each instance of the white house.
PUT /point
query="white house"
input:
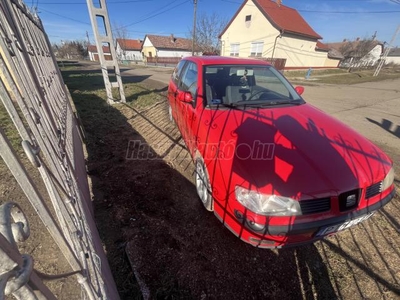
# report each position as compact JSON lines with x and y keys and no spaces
{"x":358,"y":53}
{"x":94,"y":55}
{"x":393,"y":56}
{"x":268,"y":30}
{"x":129,"y":50}
{"x":166,"y":50}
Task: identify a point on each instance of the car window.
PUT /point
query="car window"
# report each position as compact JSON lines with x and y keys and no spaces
{"x":249,"y":84}
{"x":266,"y":78}
{"x":177,"y":72}
{"x":188,"y":81}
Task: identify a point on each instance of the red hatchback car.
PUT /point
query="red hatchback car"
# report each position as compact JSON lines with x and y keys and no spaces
{"x":275,"y":170}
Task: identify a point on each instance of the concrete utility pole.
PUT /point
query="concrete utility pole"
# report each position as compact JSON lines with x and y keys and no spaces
{"x":87,"y":36}
{"x":100,"y":14}
{"x":387,"y":50}
{"x":194,"y":25}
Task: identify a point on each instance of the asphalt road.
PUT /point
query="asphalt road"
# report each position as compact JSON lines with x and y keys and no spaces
{"x":373,"y":108}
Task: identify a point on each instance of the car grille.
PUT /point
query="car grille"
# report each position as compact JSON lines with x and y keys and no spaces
{"x":349,"y":200}
{"x":373,"y":190}
{"x":315,"y":206}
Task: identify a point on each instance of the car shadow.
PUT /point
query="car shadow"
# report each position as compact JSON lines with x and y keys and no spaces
{"x":195,"y":255}
{"x":159,"y":240}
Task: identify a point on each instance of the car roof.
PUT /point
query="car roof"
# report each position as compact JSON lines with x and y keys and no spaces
{"x":225,"y":60}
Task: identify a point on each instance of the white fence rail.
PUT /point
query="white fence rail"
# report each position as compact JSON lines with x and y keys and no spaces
{"x":34,"y":95}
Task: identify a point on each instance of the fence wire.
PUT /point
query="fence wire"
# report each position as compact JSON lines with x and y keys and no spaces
{"x":38,"y":103}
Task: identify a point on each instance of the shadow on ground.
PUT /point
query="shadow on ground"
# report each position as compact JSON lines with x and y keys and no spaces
{"x":150,"y":218}
{"x":388,"y":126}
{"x":146,"y":206}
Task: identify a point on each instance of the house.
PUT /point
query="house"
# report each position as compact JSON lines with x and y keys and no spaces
{"x":358,"y":53}
{"x":268,"y":30}
{"x":129,"y":50}
{"x":166,"y":49}
{"x":393,"y":56}
{"x":94,"y":55}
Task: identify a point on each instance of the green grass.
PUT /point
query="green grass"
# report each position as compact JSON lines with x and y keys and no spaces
{"x":91,"y":83}
{"x":303,"y":73}
{"x":341,"y":76}
{"x":9,"y":129}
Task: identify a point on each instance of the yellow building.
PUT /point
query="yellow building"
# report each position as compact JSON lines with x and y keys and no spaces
{"x":265,"y":29}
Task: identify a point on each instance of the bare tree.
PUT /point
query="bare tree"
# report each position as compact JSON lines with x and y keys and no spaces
{"x":121,"y":34}
{"x":208,"y":28}
{"x":357,"y":51}
{"x":71,"y":49}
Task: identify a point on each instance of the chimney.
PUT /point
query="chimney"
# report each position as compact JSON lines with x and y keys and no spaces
{"x":357,"y":39}
{"x":344,"y":40}
{"x":172,"y":38}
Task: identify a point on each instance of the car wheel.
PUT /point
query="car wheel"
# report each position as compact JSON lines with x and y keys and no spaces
{"x":203,"y":185}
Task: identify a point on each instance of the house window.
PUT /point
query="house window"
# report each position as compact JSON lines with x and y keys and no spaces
{"x":256,"y":49}
{"x":150,"y":54}
{"x":235,"y":49}
{"x":248,"y":18}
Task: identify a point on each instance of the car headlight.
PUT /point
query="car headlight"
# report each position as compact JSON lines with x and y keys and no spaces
{"x":388,"y":181}
{"x":269,"y":205}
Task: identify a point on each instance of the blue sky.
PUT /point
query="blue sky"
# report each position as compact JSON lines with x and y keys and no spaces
{"x":334,"y":20}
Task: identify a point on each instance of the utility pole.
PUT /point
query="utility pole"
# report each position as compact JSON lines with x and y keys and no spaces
{"x":194,"y":25}
{"x":99,"y":19}
{"x":387,"y":50}
{"x":88,"y":39}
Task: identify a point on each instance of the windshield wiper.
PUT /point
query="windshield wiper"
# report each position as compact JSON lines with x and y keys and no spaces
{"x":269,"y":102}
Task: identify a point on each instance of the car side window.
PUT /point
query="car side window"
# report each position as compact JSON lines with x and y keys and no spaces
{"x":177,"y":72}
{"x":188,"y":81}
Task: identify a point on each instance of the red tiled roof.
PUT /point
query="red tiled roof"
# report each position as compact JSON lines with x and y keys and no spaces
{"x":282,"y":17}
{"x":322,"y":46}
{"x":170,"y":42}
{"x":93,"y":49}
{"x":128,"y":44}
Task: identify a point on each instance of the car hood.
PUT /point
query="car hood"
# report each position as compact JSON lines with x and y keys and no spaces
{"x":295,"y":151}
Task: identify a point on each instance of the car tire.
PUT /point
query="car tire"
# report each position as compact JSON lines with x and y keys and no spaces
{"x":203,"y":185}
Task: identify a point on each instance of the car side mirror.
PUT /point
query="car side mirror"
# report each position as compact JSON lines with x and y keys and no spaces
{"x":185,"y":97}
{"x":299,"y":89}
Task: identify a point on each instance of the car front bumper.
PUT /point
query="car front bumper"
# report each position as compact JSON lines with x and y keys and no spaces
{"x":282,"y":236}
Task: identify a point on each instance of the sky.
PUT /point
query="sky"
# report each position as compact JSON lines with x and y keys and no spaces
{"x":334,"y":20}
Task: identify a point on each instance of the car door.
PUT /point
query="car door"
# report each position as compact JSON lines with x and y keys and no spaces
{"x":173,"y":88}
{"x":186,"y":119}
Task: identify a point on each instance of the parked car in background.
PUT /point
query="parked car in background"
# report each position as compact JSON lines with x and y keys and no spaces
{"x":275,"y":170}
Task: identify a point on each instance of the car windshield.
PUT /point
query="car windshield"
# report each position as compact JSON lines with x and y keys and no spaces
{"x":236,"y":85}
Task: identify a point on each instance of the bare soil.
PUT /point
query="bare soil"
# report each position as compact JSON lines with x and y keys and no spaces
{"x":47,"y":257}
{"x":162,"y":243}
{"x":153,"y":225}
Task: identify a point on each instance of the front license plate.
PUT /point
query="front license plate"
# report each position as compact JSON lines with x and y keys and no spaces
{"x":341,"y":226}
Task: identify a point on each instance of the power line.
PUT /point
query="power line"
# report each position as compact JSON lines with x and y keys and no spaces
{"x":334,"y":12}
{"x":84,"y":3}
{"x":349,"y":12}
{"x":61,"y":16}
{"x":154,"y":15}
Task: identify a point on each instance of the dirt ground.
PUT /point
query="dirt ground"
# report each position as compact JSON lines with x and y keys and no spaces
{"x":150,"y":217}
{"x":162,"y":243}
{"x":47,"y":257}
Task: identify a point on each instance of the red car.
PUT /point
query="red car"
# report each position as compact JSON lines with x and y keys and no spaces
{"x":275,"y":170}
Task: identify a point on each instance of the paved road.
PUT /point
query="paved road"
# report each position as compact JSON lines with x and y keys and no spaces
{"x":373,"y":109}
